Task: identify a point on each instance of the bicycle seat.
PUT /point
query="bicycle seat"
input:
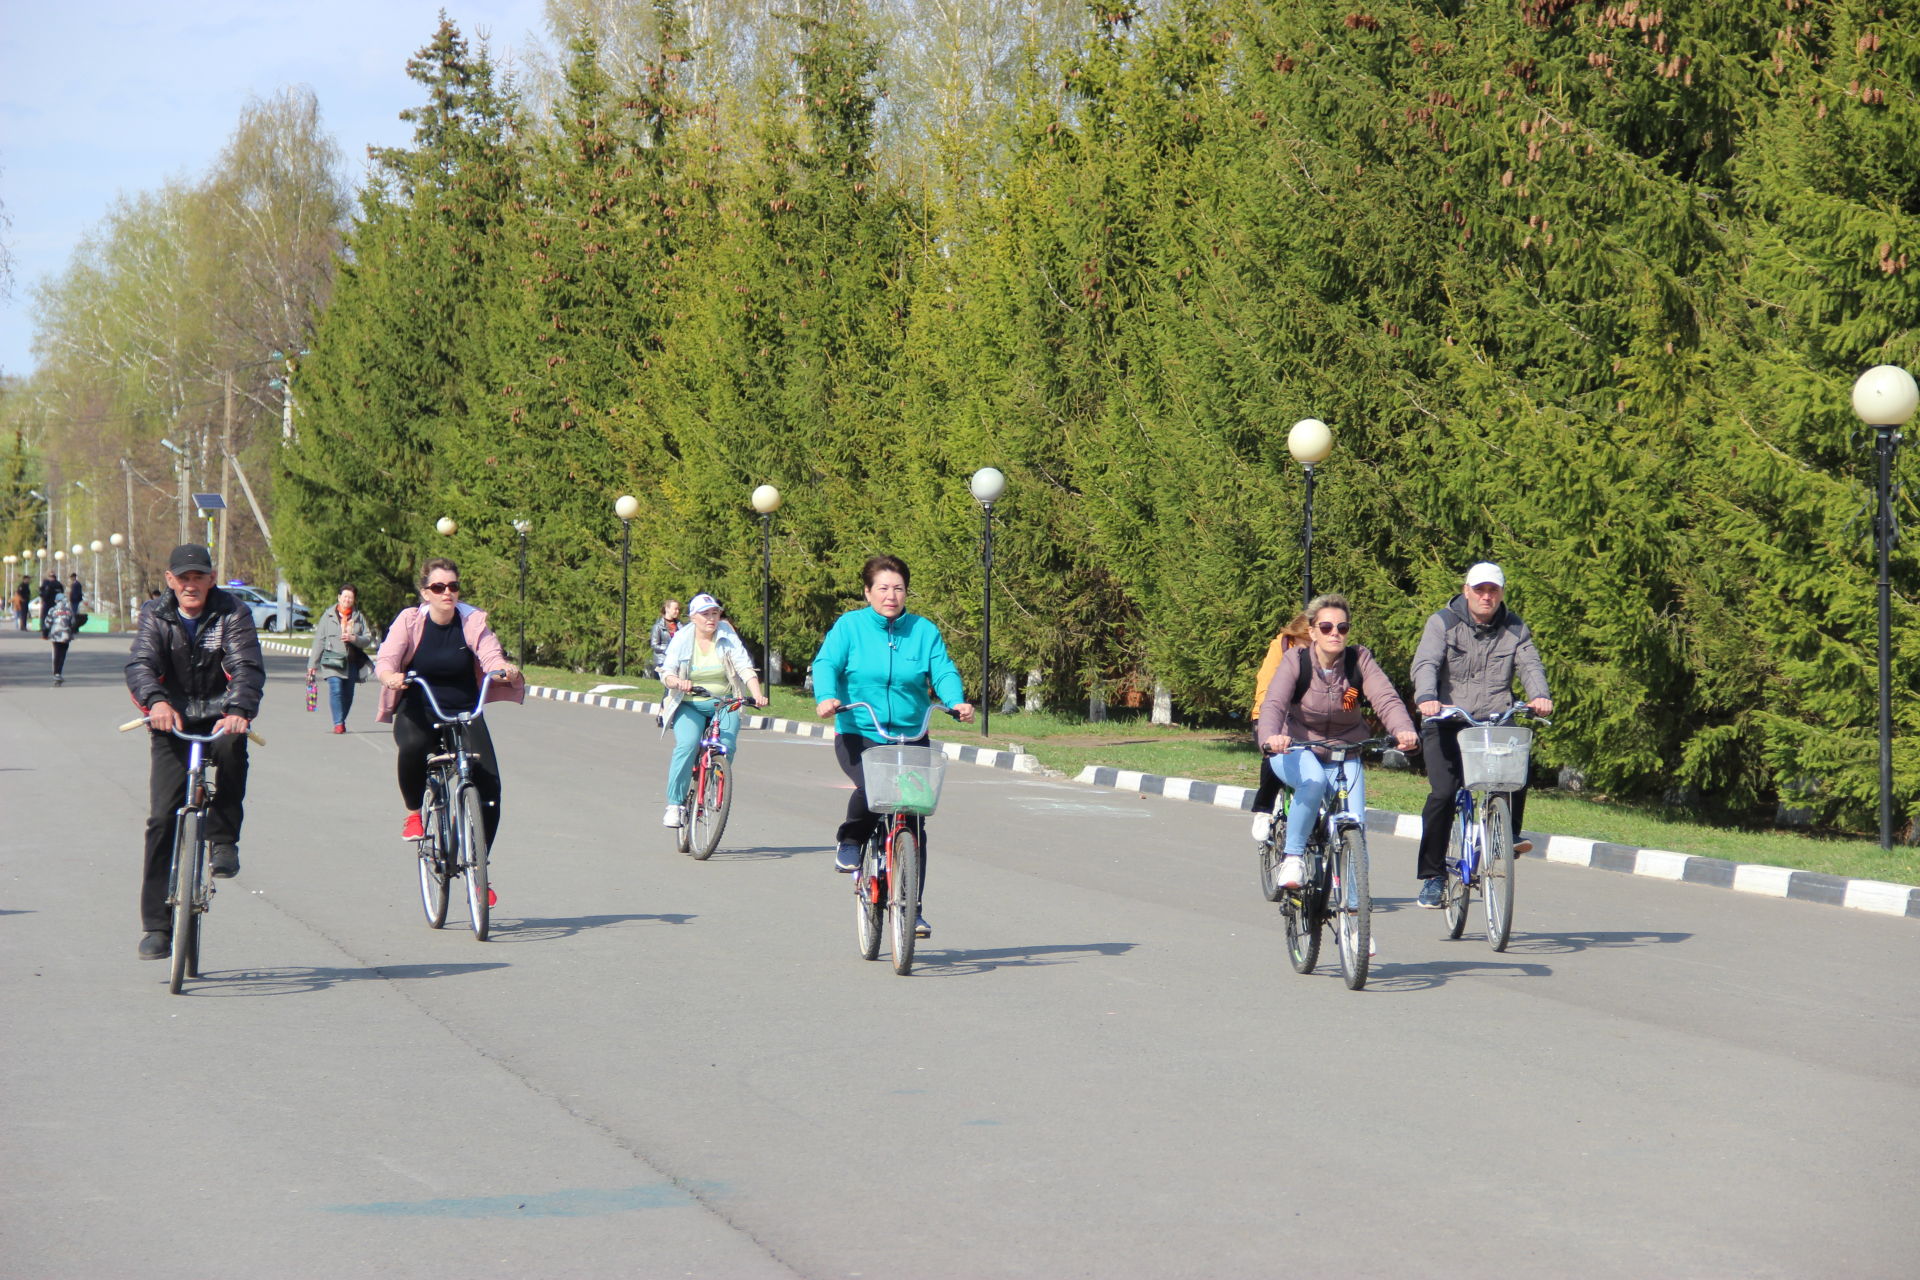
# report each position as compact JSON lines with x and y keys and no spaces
{"x":445,"y":757}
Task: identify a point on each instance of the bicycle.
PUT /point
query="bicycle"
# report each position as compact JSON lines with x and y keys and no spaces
{"x":902,"y":782}
{"x":1493,"y":759}
{"x":1335,"y":881}
{"x":710,"y":793}
{"x":453,"y":839}
{"x":189,"y":886}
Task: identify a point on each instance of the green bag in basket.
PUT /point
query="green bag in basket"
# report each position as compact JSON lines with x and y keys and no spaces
{"x":915,"y":795}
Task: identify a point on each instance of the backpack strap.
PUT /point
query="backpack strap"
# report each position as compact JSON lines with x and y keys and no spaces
{"x":1350,"y":659}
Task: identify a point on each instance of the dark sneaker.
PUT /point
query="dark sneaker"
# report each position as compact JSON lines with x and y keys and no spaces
{"x":155,"y":944}
{"x":846,"y":857}
{"x":921,"y":929}
{"x":1430,"y":891}
{"x":226,"y":862}
{"x":1523,"y":847}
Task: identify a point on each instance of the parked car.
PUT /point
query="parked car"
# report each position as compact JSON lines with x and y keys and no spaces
{"x":266,"y":610}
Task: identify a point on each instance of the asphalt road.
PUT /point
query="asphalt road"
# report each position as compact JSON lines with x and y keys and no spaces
{"x":1103,"y":1067}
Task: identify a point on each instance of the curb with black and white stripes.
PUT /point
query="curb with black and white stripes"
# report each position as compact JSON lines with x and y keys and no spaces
{"x":1743,"y":877}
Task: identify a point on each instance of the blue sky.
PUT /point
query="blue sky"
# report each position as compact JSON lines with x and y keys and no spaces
{"x":100,"y":97}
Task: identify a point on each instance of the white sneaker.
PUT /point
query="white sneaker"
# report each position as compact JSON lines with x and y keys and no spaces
{"x":671,"y":818}
{"x":1292,"y":872}
{"x":1262,"y":827}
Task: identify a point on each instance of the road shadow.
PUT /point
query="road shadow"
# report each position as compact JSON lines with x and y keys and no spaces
{"x":959,"y":964}
{"x":508,"y":929}
{"x":768,"y":853}
{"x":1546,"y":944}
{"x":295,"y":980}
{"x":1400,"y":978}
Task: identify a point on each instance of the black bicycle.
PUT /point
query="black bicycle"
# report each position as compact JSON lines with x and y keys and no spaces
{"x":1334,"y":884}
{"x":189,"y":886}
{"x":453,"y":840}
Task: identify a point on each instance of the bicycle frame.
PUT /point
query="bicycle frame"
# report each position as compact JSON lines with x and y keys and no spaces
{"x":457,"y":724}
{"x":196,"y":802}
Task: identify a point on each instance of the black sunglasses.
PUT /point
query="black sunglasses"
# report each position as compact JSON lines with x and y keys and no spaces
{"x":441,"y":588}
{"x":1328,"y":628}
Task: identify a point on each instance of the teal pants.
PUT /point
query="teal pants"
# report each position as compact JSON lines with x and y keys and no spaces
{"x":689,"y":725}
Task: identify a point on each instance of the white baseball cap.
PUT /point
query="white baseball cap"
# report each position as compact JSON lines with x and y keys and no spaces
{"x":703,"y":602}
{"x":1483,"y":573}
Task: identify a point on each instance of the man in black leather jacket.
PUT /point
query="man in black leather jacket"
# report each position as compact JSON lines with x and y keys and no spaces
{"x":196,"y":666}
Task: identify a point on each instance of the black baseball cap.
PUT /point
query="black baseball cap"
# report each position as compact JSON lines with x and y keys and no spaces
{"x":189,"y":556}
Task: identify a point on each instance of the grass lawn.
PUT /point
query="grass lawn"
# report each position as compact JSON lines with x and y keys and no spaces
{"x":1069,"y":743}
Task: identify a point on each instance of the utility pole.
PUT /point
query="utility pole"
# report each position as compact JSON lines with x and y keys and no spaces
{"x":126,"y":469}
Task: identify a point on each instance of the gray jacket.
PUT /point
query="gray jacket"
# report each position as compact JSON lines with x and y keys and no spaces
{"x":329,"y":651}
{"x":1471,"y":666}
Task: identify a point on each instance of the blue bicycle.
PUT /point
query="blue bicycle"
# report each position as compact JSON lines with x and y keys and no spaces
{"x":1493,"y":762}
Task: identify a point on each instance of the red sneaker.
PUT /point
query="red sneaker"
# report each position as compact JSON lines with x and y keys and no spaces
{"x":413,"y":830}
{"x":339,"y":728}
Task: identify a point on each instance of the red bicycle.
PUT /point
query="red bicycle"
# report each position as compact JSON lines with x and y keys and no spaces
{"x":710,"y":791}
{"x":902,"y":782}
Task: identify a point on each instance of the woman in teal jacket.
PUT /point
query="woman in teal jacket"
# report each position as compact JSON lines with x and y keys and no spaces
{"x":889,"y":659}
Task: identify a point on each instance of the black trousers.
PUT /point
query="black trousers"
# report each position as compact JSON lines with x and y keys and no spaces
{"x":416,"y":739}
{"x":1268,"y":791}
{"x":60,"y":660}
{"x":861,"y":821}
{"x":1440,"y":744}
{"x":168,"y":788}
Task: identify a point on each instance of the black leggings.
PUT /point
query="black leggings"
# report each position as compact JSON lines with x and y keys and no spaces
{"x":59,"y":655}
{"x":861,"y":821}
{"x":416,"y":739}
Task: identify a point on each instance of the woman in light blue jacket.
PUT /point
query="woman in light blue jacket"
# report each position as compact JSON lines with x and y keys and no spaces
{"x":705,"y":656}
{"x":889,"y":659}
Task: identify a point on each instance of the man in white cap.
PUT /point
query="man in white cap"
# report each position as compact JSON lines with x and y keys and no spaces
{"x":1468,"y":654}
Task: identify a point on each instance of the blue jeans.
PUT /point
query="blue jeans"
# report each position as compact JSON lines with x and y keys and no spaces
{"x":689,"y":726}
{"x":340,"y":697}
{"x":1310,"y":779}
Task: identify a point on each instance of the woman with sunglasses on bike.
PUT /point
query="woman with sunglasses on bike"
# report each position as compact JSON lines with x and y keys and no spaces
{"x":710,"y":656}
{"x":450,"y":646}
{"x":1315,"y":695}
{"x":887,"y":658}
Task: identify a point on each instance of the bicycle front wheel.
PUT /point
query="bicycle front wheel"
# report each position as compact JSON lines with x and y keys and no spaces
{"x":870,"y":898}
{"x":903,"y":897}
{"x":1496,"y":876}
{"x":470,"y":815}
{"x":1352,"y":907}
{"x":188,"y":852}
{"x":709,"y":806}
{"x":434,"y":864}
{"x":1458,"y":890}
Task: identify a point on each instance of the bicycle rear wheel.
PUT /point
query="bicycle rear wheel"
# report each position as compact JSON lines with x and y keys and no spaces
{"x":1352,"y":907}
{"x":709,"y":806}
{"x":1496,"y":876}
{"x":903,"y":897}
{"x":1270,"y":857}
{"x":1302,"y":909}
{"x":1458,"y":890}
{"x":435,"y":865}
{"x":187,"y":852}
{"x":470,"y":817}
{"x":870,"y":898}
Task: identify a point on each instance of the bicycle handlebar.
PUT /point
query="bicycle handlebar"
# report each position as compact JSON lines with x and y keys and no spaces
{"x":479,"y":703}
{"x":725,"y":704}
{"x":1451,"y":712}
{"x":255,"y":738}
{"x":1368,"y":744}
{"x":881,"y":729}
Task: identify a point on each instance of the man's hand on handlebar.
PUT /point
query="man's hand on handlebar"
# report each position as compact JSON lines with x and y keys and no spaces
{"x":162,"y":717}
{"x":232,"y":724}
{"x":1428,"y":709}
{"x":1541,"y":706}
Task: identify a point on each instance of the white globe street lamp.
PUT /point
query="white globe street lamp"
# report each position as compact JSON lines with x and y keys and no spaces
{"x":626,"y":506}
{"x":986,"y":485}
{"x":766,"y":501}
{"x":1311,"y":443}
{"x":446,"y":526}
{"x":1885,"y":397}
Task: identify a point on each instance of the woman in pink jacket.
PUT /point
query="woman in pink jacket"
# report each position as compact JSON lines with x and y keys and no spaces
{"x":450,"y":648}
{"x":1315,"y":696}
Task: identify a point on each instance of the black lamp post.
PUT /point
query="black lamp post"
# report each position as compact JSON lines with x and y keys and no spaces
{"x":987,"y":485}
{"x":626,"y":506}
{"x":1310,"y":443}
{"x":1884,"y":397}
{"x":766,"y":501}
{"x":523,"y":527}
